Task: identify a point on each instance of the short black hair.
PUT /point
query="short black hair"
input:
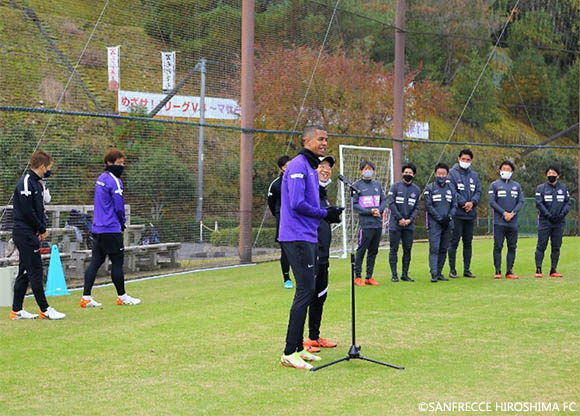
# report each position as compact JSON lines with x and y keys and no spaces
{"x":554,"y":168}
{"x":441,"y":165}
{"x":409,"y":166}
{"x":364,"y":163}
{"x":282,"y":160}
{"x":467,"y":152}
{"x":308,"y":130}
{"x":112,"y":156}
{"x":508,"y":163}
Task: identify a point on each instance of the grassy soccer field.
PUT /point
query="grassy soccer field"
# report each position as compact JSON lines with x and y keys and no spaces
{"x":211,"y":342}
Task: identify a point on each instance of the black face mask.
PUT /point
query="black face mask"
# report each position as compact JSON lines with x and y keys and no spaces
{"x":116,"y":170}
{"x":48,"y":173}
{"x":408,"y":178}
{"x":552,"y":178}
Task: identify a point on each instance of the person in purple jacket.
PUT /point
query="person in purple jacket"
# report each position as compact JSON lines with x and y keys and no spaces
{"x":108,"y":227}
{"x":300,"y":215}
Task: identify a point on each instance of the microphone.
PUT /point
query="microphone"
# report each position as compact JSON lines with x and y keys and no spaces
{"x":347,"y":183}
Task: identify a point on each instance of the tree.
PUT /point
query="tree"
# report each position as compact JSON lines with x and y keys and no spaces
{"x":349,"y":93}
{"x":131,"y":135}
{"x":160,"y":177}
{"x":459,"y":23}
{"x":571,"y":81}
{"x":539,"y":87}
{"x":205,"y":28}
{"x":476,"y":114}
{"x":535,"y":29}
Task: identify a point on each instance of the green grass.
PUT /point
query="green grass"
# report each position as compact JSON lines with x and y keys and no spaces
{"x":210,"y":343}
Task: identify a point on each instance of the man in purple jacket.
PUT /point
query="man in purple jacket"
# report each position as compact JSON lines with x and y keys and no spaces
{"x":300,"y":215}
{"x":108,"y":227}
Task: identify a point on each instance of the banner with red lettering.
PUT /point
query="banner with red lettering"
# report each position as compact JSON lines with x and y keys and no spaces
{"x":179,"y":106}
{"x":113,"y":60}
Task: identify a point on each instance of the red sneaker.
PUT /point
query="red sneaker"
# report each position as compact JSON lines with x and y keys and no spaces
{"x":310,"y":348}
{"x":319,"y":343}
{"x":497,"y":276}
{"x":372,"y":282}
{"x":359,"y":282}
{"x":511,"y":276}
{"x":324,"y":343}
{"x":538,"y":275}
{"x":556,"y":274}
{"x":310,"y":343}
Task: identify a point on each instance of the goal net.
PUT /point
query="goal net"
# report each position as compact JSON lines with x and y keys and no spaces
{"x":350,"y":157}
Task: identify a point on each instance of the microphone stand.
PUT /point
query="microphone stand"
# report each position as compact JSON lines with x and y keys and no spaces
{"x":354,"y":350}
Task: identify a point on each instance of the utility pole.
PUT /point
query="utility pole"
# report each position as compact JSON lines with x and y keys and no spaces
{"x":399,"y":88}
{"x":246,"y":140}
{"x":578,"y":194}
{"x":200,"y":155}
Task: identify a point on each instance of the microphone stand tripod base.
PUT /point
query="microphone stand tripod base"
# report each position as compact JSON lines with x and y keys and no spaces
{"x":354,"y":354}
{"x":354,"y":350}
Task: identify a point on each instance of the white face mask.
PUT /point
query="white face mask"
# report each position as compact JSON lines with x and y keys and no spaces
{"x":324,"y":184}
{"x":46,"y":195}
{"x":367,"y":174}
{"x":505,"y":174}
{"x":465,"y":165}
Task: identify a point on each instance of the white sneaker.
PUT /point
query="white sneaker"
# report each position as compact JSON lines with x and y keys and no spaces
{"x":128,"y":300}
{"x":52,"y":314}
{"x":306,"y":356}
{"x":294,"y":360}
{"x":90,"y":303}
{"x":22,"y":314}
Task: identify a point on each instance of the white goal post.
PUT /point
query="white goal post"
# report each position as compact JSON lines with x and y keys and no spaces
{"x":350,"y":157}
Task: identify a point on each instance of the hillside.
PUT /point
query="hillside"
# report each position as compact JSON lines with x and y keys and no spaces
{"x":32,"y":75}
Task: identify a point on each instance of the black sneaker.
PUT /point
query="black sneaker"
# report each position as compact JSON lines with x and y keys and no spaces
{"x":407,"y":279}
{"x":453,"y":274}
{"x":443,"y":278}
{"x":394,"y":279}
{"x":434,"y":279}
{"x":468,"y":274}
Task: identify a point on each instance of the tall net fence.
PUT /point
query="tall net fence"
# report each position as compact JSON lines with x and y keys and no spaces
{"x":500,"y":77}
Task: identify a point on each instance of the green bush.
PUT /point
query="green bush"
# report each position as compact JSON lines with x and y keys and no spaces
{"x":231,"y":237}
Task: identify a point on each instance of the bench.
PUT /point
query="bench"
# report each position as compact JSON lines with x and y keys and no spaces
{"x":136,"y":258}
{"x":64,"y":258}
{"x":154,"y":256}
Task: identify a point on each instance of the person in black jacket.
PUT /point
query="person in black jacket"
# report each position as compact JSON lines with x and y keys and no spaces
{"x":507,"y":199}
{"x":314,"y":341}
{"x":440,"y":207}
{"x":29,"y":230}
{"x":553,"y":203}
{"x":274,"y":201}
{"x":468,"y":188}
{"x":403,"y":202}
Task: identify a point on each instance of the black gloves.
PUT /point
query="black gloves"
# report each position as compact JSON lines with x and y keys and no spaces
{"x":445,"y":221}
{"x":123,"y":227}
{"x":333,"y":214}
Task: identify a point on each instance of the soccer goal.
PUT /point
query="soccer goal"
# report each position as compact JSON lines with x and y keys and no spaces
{"x":350,"y":157}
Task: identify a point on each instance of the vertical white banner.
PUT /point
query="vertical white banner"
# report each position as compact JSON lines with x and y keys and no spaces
{"x":168,"y":67}
{"x":113,"y":60}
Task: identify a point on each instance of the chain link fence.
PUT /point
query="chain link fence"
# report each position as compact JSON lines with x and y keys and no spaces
{"x":328,"y":62}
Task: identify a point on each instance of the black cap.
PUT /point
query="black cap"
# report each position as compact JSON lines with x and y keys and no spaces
{"x":329,"y":159}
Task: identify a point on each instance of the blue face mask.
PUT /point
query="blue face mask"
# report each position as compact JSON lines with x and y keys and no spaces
{"x":48,"y":173}
{"x":441,"y":179}
{"x":367,"y":174}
